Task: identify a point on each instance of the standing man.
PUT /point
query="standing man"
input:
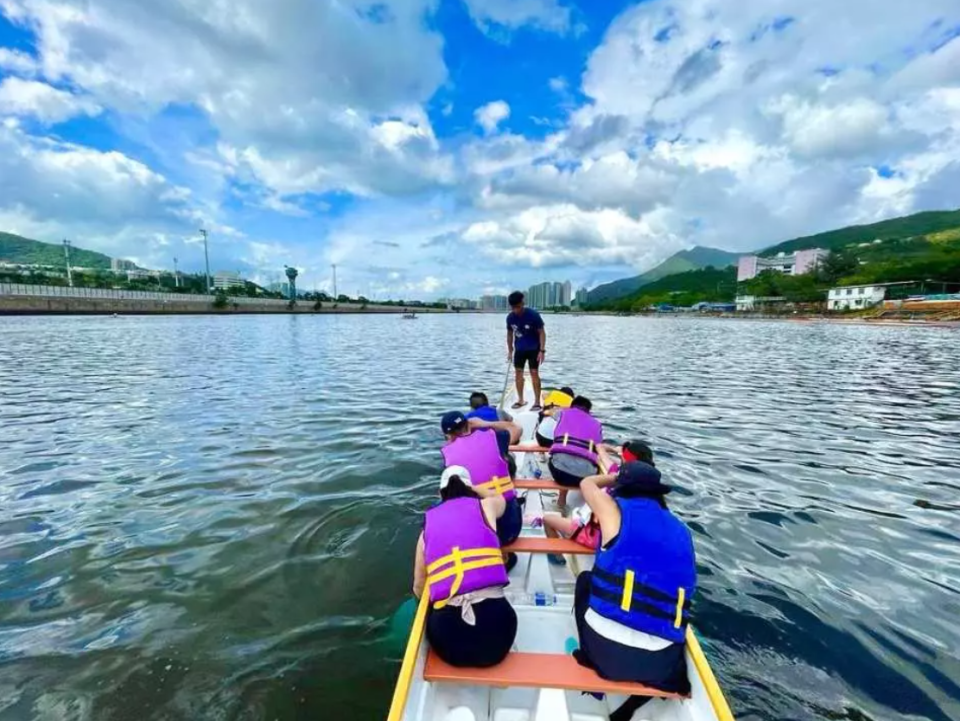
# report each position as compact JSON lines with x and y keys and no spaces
{"x":526,"y":344}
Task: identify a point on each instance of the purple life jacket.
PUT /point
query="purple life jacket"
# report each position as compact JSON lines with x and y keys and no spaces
{"x":461,"y":551}
{"x":578,"y":434}
{"x":479,"y":453}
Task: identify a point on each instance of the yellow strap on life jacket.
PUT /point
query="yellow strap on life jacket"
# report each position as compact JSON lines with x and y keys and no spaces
{"x":486,"y":556}
{"x":500,"y":484}
{"x":626,"y":600}
{"x":681,"y":595}
{"x":591,"y":446}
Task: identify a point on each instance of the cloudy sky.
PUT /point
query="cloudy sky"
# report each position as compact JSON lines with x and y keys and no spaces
{"x":454,"y":147}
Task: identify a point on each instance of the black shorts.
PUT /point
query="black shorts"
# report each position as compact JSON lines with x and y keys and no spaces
{"x":482,"y":645}
{"x":523,"y":357}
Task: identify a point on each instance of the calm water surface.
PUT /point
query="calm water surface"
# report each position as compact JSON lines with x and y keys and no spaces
{"x":213,"y":518}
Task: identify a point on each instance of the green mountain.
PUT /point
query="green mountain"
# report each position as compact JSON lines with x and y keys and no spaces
{"x":17,"y":249}
{"x":924,"y":248}
{"x":907,"y":227}
{"x":684,"y":289}
{"x":682,"y":262}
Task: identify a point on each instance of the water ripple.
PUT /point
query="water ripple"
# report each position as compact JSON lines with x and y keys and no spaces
{"x":214,"y":517}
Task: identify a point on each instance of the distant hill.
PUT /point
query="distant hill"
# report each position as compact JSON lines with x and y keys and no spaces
{"x":909,"y":226}
{"x":682,"y":262}
{"x":923,"y":247}
{"x":17,"y":249}
{"x":690,"y":287}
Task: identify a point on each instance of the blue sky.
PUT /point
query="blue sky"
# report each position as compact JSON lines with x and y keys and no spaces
{"x":437,"y":148}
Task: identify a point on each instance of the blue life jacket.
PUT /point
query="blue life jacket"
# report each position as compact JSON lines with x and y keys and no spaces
{"x":646,"y":580}
{"x":485,"y":413}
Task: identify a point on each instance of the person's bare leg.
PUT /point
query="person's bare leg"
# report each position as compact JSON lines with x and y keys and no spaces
{"x":562,"y":499}
{"x":535,"y":378}
{"x":553,"y":525}
{"x":520,"y":381}
{"x":516,"y":430}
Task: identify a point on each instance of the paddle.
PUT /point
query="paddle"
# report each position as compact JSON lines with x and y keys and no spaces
{"x":506,"y":384}
{"x":400,"y":624}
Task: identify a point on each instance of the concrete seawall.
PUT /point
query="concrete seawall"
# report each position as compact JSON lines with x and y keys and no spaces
{"x":44,"y":305}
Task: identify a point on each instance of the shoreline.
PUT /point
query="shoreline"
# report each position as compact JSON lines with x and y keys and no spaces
{"x":51,"y":305}
{"x":38,"y":305}
{"x":811,"y":320}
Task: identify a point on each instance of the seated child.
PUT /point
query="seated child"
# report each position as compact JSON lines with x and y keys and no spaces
{"x":582,"y":527}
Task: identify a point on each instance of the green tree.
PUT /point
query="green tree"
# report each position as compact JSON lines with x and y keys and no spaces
{"x":837,"y":264}
{"x":764,"y":285}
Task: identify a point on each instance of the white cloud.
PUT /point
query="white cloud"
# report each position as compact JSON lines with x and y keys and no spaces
{"x":18,"y":62}
{"x":430,"y":284}
{"x":103,"y":201}
{"x":286,"y":207}
{"x":490,"y":116}
{"x":298,"y":88}
{"x":740,"y":150}
{"x":564,"y":235}
{"x":610,"y":181}
{"x":818,"y":130}
{"x":493,"y":15}
{"x":393,"y":157}
{"x":46,"y":103}
{"x":743,"y":125}
{"x":939,"y":68}
{"x":504,"y":151}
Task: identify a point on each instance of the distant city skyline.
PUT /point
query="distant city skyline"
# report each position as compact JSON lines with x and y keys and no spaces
{"x":550,"y":294}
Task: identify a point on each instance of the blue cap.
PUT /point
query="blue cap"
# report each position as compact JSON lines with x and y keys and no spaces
{"x":452,"y":422}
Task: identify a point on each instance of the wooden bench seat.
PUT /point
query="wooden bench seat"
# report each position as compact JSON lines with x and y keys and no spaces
{"x":535,"y":670}
{"x":529,"y":449}
{"x":539,"y":484}
{"x":540,"y":544}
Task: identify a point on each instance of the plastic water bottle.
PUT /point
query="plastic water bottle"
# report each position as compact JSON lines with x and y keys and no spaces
{"x":542,"y":599}
{"x":535,"y":599}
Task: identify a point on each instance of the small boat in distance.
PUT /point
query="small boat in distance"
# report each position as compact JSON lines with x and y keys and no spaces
{"x":409,"y":316}
{"x":540,"y":680}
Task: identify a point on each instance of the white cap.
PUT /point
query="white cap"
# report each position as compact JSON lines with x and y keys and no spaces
{"x":548,"y":427}
{"x":460,"y":713}
{"x":452,"y":471}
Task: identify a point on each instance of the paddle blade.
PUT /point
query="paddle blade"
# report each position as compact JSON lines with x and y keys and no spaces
{"x":400,"y":625}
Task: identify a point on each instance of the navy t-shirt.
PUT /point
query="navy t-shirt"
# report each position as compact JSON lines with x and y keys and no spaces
{"x":526,"y":329}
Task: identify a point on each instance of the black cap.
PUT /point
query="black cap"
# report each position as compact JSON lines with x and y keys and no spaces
{"x":453,"y":422}
{"x":640,"y":479}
